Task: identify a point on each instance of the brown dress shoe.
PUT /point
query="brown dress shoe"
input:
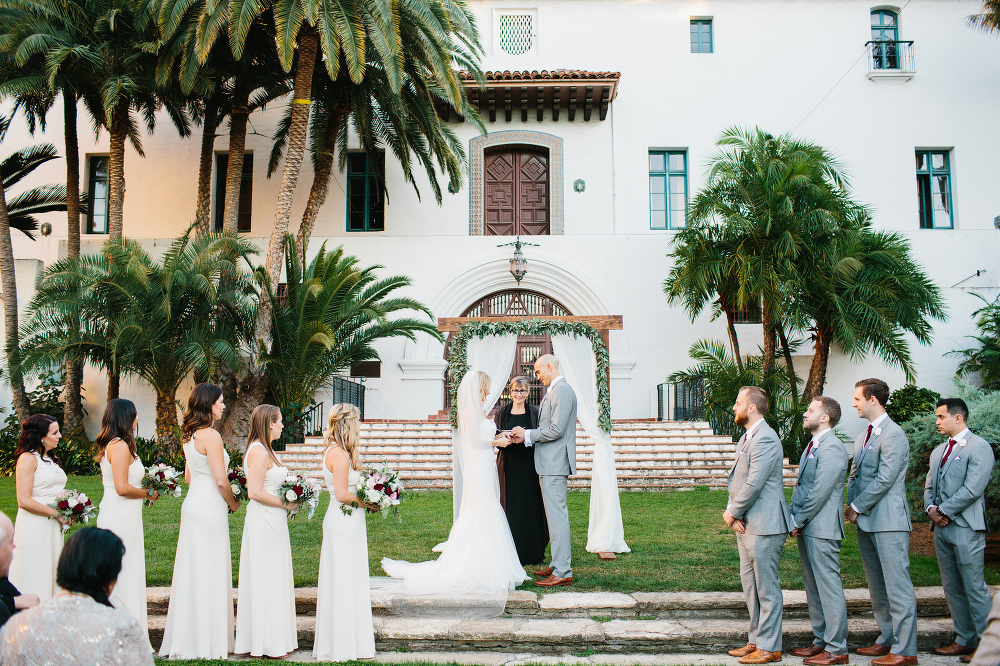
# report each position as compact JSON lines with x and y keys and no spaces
{"x":553,"y":581}
{"x":760,"y":657}
{"x":544,"y":573}
{"x":874,"y":651}
{"x":743,"y":651}
{"x":826,"y":659}
{"x":966,"y":658}
{"x":894,"y":660}
{"x":953,"y":650}
{"x":810,"y":651}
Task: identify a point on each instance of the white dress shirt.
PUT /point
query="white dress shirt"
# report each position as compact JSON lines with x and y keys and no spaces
{"x":527,"y":438}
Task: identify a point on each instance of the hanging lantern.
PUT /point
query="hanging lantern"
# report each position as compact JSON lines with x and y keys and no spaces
{"x":518,"y":264}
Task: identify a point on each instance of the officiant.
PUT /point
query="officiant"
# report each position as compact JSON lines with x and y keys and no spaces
{"x":520,"y":492}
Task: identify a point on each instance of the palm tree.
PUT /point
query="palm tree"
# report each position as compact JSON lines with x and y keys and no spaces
{"x":155,"y":320}
{"x":19,"y":213}
{"x":989,"y":18}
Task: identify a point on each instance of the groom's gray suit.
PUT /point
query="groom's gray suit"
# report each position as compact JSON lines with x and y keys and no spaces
{"x":554,"y":442}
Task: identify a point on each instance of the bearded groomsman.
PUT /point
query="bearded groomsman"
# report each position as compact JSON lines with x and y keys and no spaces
{"x":757,"y":512}
{"x":953,"y":499}
{"x":819,"y":525}
{"x":876,"y":497}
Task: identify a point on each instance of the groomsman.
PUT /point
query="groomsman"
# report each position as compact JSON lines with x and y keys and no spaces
{"x":819,"y":525}
{"x":876,"y":496}
{"x":953,"y":499}
{"x":757,"y":512}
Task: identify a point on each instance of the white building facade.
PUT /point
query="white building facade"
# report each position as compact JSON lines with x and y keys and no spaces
{"x":614,"y":110}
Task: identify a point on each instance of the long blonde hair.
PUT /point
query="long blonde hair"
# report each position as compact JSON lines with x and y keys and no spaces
{"x":344,"y":431}
{"x":261,"y":420}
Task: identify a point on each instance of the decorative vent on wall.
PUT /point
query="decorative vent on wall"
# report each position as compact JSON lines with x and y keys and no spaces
{"x":516,"y":33}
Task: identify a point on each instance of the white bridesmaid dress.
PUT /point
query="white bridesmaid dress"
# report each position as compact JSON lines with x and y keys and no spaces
{"x":38,"y":539}
{"x":200,"y":615}
{"x":344,"y":628}
{"x":265,"y":607}
{"x":123,"y":516}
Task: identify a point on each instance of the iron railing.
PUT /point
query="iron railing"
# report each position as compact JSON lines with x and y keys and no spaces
{"x":681,"y":401}
{"x":344,"y":390}
{"x":886,"y":56}
{"x":309,"y":424}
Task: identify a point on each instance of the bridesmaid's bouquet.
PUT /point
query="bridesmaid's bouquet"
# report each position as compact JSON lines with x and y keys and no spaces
{"x":297,"y":489}
{"x":238,"y":483}
{"x":75,"y":507}
{"x":381,"y":486}
{"x":163,"y":479}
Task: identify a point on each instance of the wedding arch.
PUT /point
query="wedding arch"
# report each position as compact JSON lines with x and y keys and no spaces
{"x":489,"y":345}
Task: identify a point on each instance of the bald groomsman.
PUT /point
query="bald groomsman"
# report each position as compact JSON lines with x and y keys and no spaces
{"x":757,"y":512}
{"x":953,"y":499}
{"x":876,"y":497}
{"x":819,"y":525}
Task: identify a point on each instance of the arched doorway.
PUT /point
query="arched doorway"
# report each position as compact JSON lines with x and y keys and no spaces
{"x":516,"y":303}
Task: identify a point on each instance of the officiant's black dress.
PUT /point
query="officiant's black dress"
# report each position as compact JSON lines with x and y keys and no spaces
{"x":520,"y":491}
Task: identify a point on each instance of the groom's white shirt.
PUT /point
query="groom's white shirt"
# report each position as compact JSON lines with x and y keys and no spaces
{"x":527,"y":438}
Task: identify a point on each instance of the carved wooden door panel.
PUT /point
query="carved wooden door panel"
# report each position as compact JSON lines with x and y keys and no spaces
{"x":517,"y":193}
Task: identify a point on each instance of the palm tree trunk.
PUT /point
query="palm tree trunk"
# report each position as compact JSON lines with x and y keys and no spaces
{"x":734,"y":340}
{"x":116,"y":198}
{"x":789,"y":367}
{"x":234,"y":430}
{"x":237,"y":146}
{"x":767,"y":323}
{"x":203,"y":209}
{"x":21,"y":406}
{"x":73,"y":403}
{"x":114,"y":383}
{"x":167,"y":428}
{"x":320,"y":186}
{"x":821,"y":359}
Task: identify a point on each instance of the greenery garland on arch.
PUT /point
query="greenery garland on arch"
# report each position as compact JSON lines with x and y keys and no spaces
{"x":458,"y":359}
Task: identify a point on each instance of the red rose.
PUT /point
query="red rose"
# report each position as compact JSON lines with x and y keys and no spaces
{"x":232,"y":475}
{"x":297,"y":490}
{"x":78,"y":508}
{"x":159,"y":475}
{"x":378,"y":487}
{"x":63,"y":504}
{"x":87,"y":503}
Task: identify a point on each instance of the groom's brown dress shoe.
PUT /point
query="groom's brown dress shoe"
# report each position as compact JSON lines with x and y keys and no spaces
{"x":743,"y":651}
{"x":553,"y":581}
{"x":953,"y":650}
{"x":826,"y":659}
{"x":874,"y":651}
{"x":545,"y":573}
{"x":894,"y":660}
{"x":760,"y":657}
{"x":810,"y":651}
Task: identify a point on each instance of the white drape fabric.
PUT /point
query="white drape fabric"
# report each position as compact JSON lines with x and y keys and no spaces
{"x":494,"y":355}
{"x":578,"y":365}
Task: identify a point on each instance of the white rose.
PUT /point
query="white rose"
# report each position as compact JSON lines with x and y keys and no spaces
{"x":235,"y":487}
{"x":291,"y":496}
{"x":291,"y":478}
{"x":177,"y":491}
{"x":72,"y":502}
{"x":81,"y":498}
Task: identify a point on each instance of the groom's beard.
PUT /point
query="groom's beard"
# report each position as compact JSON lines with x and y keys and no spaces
{"x":741,"y":418}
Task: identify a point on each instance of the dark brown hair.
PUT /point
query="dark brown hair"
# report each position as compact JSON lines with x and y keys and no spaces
{"x":874,"y":387}
{"x":758,"y":397}
{"x":831,"y":408}
{"x":199,"y":411}
{"x":89,"y":561}
{"x":116,"y":423}
{"x":33,"y":430}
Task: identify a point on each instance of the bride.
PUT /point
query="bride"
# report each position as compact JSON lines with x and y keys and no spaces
{"x":478,"y":564}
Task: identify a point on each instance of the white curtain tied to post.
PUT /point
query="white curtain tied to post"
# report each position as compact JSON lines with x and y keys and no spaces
{"x":578,"y":365}
{"x":494,"y":355}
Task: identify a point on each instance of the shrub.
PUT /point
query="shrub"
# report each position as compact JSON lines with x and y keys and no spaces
{"x":909,"y":401}
{"x":985,"y":359}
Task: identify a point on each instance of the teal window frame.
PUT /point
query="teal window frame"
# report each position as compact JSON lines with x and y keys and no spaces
{"x":96,"y":182}
{"x":662,"y":182}
{"x":246,"y":191}
{"x":885,"y":28}
{"x":933,"y":187}
{"x":364,"y":187}
{"x":701,"y":36}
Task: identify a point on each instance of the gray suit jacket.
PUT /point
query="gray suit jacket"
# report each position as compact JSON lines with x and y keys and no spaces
{"x":756,"y":486}
{"x":877,"y":485}
{"x":958,"y":488}
{"x":818,"y":497}
{"x":554,"y":440}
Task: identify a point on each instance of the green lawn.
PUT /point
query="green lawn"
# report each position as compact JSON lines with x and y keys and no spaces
{"x":678,"y":541}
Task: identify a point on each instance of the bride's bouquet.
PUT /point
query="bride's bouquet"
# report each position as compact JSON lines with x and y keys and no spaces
{"x":238,"y":483}
{"x":381,"y":487}
{"x":163,"y":479}
{"x":297,"y":489}
{"x":75,"y":507}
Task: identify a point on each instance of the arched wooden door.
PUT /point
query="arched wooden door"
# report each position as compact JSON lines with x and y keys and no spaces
{"x":517,"y":303}
{"x":517,"y":191}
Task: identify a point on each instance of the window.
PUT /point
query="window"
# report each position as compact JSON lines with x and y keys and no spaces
{"x":885,"y":39}
{"x":515,"y":33}
{"x":934,"y":189}
{"x":701,"y":35}
{"x":246,"y":191}
{"x":98,"y":182}
{"x":365,"y":200}
{"x":516,"y":183}
{"x":667,"y":189}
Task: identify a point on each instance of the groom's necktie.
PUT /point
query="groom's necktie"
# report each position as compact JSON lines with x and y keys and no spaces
{"x":944,"y":458}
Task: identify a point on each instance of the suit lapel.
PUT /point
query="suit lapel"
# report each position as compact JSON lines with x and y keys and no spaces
{"x":871,"y":442}
{"x":951,"y":458}
{"x":936,"y":478}
{"x":741,"y":450}
{"x":803,"y":461}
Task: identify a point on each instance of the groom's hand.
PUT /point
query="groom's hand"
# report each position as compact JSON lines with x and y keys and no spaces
{"x":517,"y":434}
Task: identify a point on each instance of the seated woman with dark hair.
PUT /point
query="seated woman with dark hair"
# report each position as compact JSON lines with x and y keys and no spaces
{"x":79,"y":621}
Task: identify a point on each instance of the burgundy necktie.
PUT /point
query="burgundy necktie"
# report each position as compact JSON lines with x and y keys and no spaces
{"x":808,"y":449}
{"x":868,"y":436}
{"x":951,"y":445}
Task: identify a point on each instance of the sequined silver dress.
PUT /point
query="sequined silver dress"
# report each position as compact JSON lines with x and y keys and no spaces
{"x":73,"y":629}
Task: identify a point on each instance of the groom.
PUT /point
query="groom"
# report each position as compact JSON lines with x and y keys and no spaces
{"x":555,"y":459}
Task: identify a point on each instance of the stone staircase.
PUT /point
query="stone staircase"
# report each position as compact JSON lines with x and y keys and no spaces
{"x":648,"y":454}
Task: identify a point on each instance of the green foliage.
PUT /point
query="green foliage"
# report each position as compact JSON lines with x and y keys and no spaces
{"x":22,"y":208}
{"x":458,"y":363}
{"x":910,"y":401}
{"x":984,"y":420}
{"x":984,"y":359}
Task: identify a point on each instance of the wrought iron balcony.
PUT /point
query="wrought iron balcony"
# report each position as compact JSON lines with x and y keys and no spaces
{"x":893,"y":60}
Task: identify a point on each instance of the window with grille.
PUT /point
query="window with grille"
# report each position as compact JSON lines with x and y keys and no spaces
{"x":667,"y":189}
{"x":934,"y":189}
{"x":701,"y":35}
{"x":515,"y":33}
{"x":365,"y":200}
{"x":98,"y":180}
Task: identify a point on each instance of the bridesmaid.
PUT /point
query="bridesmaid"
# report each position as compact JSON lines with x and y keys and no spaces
{"x":39,"y":477}
{"x":121,"y":507}
{"x":266,"y":598}
{"x":344,"y":628}
{"x":516,"y":470}
{"x":200,"y":615}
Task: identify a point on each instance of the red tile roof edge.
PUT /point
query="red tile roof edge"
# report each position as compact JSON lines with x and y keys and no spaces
{"x":536,"y":75}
